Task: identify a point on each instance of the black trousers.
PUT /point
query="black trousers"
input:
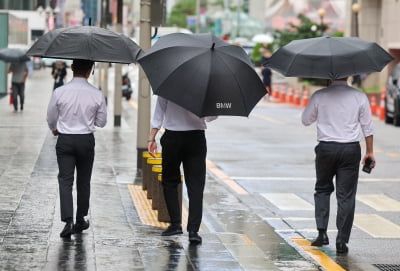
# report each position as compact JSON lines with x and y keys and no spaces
{"x":18,"y":89}
{"x":74,"y":152}
{"x":188,"y":148}
{"x":342,"y":161}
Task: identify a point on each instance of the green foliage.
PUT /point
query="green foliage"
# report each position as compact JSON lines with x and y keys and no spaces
{"x":305,"y":30}
{"x":180,"y":10}
{"x":256,"y":53}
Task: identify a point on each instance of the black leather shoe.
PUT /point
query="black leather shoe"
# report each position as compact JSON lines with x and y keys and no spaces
{"x":68,"y":230}
{"x":321,"y":240}
{"x":341,"y":248}
{"x":81,"y":226}
{"x":172,"y":230}
{"x":194,"y":238}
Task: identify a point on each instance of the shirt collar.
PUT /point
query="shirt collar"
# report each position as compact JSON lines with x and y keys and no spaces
{"x":339,"y":83}
{"x":79,"y":79}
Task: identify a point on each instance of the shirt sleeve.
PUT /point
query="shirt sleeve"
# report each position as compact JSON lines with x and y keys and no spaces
{"x":365,"y":117}
{"x":209,"y":119}
{"x":101,"y":116}
{"x":159,"y":112}
{"x":310,"y":113}
{"x":52,"y":112}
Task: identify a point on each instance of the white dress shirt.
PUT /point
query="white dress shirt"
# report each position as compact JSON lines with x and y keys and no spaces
{"x":339,"y":111}
{"x":76,"y":108}
{"x":176,"y":118}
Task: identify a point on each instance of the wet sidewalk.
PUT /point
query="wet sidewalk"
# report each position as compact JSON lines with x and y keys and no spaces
{"x":119,"y":238}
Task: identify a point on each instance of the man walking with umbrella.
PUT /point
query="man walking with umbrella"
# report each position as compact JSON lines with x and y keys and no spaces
{"x":19,"y":72}
{"x":73,"y":112}
{"x":183,"y":142}
{"x":339,"y":112}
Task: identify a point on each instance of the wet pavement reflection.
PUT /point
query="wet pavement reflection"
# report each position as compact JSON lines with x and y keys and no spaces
{"x":234,"y":236}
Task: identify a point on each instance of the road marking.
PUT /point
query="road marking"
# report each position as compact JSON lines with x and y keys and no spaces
{"x":324,"y":260}
{"x":247,"y":239}
{"x":377,"y":226}
{"x":380,"y":202}
{"x":288,"y":201}
{"x":225,"y":178}
{"x":274,"y":178}
{"x":391,"y":154}
{"x":263,"y":178}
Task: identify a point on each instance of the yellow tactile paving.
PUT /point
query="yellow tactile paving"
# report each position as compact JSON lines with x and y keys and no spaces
{"x":324,"y":260}
{"x":147,"y":215}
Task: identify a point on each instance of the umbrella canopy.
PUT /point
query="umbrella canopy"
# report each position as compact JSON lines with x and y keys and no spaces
{"x":329,"y":58}
{"x":13,"y":55}
{"x":86,"y":42}
{"x":203,"y":74}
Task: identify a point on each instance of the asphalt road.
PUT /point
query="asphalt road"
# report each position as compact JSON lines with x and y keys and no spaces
{"x":268,"y":161}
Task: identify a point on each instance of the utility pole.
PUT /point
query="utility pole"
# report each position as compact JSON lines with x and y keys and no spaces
{"x":118,"y":74}
{"x":144,"y":96}
{"x":198,"y":16}
{"x":104,"y":66}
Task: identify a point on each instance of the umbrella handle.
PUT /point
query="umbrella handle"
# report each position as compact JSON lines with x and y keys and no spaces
{"x":155,"y":33}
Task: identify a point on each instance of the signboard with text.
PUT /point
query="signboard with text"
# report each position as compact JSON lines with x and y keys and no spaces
{"x":3,"y":44}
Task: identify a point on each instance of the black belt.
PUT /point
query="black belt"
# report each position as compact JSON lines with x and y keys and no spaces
{"x":339,"y":143}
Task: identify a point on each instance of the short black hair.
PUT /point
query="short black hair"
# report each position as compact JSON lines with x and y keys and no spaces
{"x":81,"y":66}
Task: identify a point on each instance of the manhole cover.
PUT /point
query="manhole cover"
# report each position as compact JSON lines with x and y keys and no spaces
{"x":388,"y":267}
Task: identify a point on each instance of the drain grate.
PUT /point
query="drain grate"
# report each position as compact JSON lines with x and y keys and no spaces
{"x":388,"y":267}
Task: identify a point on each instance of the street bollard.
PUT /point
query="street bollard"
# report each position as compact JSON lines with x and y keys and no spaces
{"x":147,"y":168}
{"x":373,"y":105}
{"x":289,"y":96}
{"x":296,"y":97}
{"x":156,"y":170}
{"x":305,"y":98}
{"x":382,"y":106}
{"x":162,"y":211}
{"x":149,"y":185}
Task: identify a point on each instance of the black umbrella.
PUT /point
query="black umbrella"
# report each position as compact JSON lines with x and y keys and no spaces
{"x":329,"y":58}
{"x":86,"y":42}
{"x":13,"y":55}
{"x":203,"y":74}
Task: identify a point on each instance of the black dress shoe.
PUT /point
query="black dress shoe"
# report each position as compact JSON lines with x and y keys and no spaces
{"x":321,"y":240}
{"x":341,"y":248}
{"x":81,"y":226}
{"x":68,"y":230}
{"x":172,"y":230}
{"x":194,"y":238}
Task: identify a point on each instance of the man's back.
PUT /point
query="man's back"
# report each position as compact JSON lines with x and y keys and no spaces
{"x":339,"y":110}
{"x":18,"y":71}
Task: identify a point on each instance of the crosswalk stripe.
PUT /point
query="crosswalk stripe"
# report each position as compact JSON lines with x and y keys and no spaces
{"x":270,"y":179}
{"x":377,"y":226}
{"x":288,"y":201}
{"x":380,"y":202}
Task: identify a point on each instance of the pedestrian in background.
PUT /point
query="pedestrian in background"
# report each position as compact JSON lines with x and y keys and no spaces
{"x":339,"y":112}
{"x":265,"y":71}
{"x":19,"y":72}
{"x":73,"y":112}
{"x":59,"y":72}
{"x":183,"y":142}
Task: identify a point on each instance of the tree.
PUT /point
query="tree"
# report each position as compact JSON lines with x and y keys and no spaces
{"x":306,"y":29}
{"x":180,"y":11}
